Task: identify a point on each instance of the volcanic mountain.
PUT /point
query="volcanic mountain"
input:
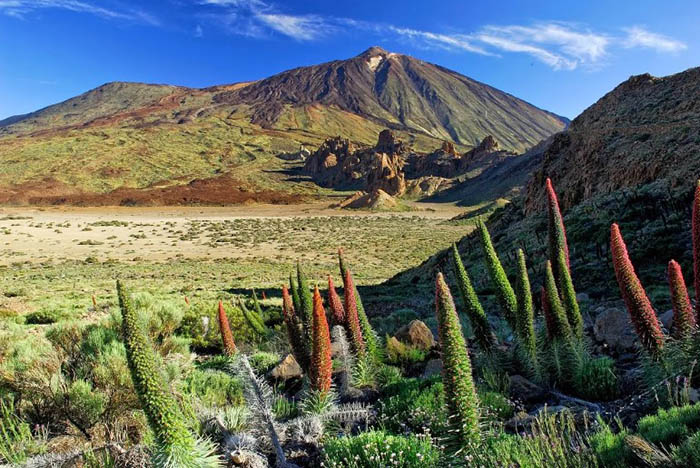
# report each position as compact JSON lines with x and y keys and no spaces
{"x":134,"y":136}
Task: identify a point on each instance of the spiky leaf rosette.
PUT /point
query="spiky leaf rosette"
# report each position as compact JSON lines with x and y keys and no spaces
{"x":175,"y":445}
{"x":560,"y":324}
{"x":335,"y":304}
{"x":460,"y":394}
{"x":568,"y":295}
{"x":696,"y":249}
{"x":321,"y":363}
{"x":477,"y":317}
{"x":353,"y":321}
{"x":306,"y":302}
{"x":370,"y":338}
{"x":641,"y":312}
{"x":557,"y":232}
{"x":295,"y":294}
{"x":295,"y":331}
{"x":226,"y":334}
{"x":526,"y":317}
{"x":683,"y":317}
{"x":504,"y":291}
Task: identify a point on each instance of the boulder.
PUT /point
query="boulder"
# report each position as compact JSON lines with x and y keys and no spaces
{"x":523,"y":390}
{"x":666,"y":319}
{"x":287,"y":368}
{"x":613,"y":328}
{"x":433,"y":367}
{"x":416,"y":334}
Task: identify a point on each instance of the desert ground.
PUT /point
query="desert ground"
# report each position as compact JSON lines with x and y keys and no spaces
{"x":53,"y":255}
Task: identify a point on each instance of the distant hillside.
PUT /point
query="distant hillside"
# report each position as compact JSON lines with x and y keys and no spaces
{"x":134,"y":136}
{"x":644,"y":130}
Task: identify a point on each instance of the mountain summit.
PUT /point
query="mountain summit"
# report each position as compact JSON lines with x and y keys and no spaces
{"x":136,"y":136}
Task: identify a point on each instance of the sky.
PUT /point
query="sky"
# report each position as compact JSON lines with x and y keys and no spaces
{"x":561,"y":55}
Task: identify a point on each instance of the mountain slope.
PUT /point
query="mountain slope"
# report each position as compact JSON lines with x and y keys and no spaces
{"x":646,"y":129}
{"x":403,"y":93}
{"x":632,"y":158}
{"x":140,"y":136}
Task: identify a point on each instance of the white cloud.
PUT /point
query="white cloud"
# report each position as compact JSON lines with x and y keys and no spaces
{"x":19,"y":8}
{"x":457,"y":41}
{"x":559,"y":45}
{"x":640,"y":37}
{"x":306,"y":27}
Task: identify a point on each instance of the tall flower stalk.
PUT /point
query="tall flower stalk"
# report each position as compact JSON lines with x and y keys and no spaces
{"x":568,"y":294}
{"x":321,"y":364}
{"x":295,"y":331}
{"x":176,"y":446}
{"x":557,"y":232}
{"x":525,"y":318}
{"x":504,"y":290}
{"x":226,"y":334}
{"x":358,"y":342}
{"x":560,"y":327}
{"x":483,"y":333}
{"x":370,"y":338}
{"x":335,"y":304}
{"x":641,"y":312}
{"x":696,"y":248}
{"x":683,"y":317}
{"x":460,"y":394}
{"x":306,"y":311}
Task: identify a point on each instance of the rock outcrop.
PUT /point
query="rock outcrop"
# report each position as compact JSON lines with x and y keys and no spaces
{"x":339,"y":164}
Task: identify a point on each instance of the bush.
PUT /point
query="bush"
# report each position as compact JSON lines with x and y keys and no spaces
{"x":399,"y":353}
{"x":43,"y":317}
{"x":17,"y":442}
{"x":214,"y":388}
{"x":379,"y":449}
{"x":262,"y":362}
{"x":495,"y":404}
{"x":670,"y":426}
{"x":414,"y":405}
{"x":596,"y":379}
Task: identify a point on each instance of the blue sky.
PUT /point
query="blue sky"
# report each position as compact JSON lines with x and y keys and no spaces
{"x":559,"y":55}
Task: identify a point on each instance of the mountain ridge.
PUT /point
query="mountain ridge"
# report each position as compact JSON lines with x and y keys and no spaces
{"x":133,"y":135}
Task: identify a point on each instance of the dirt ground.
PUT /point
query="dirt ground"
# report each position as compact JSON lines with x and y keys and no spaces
{"x":40,"y":234}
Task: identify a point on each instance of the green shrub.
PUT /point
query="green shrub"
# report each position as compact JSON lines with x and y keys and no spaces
{"x":413,"y":405}
{"x":201,"y":327}
{"x":609,"y":446}
{"x":17,"y":442}
{"x":262,"y":362}
{"x":596,"y":379}
{"x":43,"y":317}
{"x":175,"y":444}
{"x":554,"y":441}
{"x":214,"y":388}
{"x":378,"y":449}
{"x":402,"y":354}
{"x":670,"y":426}
{"x":688,"y":453}
{"x":497,"y":405}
